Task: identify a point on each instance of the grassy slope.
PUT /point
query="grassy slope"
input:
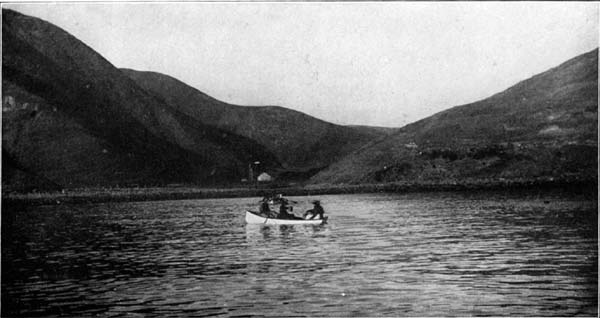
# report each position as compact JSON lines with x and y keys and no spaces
{"x":298,"y":140}
{"x":73,"y":118}
{"x":545,"y":126}
{"x":15,"y":178}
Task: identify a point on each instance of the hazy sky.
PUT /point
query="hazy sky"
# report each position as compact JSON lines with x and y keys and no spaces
{"x":374,"y":63}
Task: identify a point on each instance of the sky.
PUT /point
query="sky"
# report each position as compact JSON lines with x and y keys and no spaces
{"x":359,"y":63}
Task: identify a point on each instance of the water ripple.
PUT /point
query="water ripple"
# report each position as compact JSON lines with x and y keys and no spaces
{"x":440,"y":254}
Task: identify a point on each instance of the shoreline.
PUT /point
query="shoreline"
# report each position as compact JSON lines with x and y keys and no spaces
{"x":86,"y":196}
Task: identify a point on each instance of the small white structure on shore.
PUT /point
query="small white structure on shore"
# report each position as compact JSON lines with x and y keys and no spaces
{"x":264,"y":177}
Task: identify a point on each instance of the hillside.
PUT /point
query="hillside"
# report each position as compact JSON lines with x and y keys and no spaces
{"x":73,"y":119}
{"x":545,"y":126}
{"x":299,"y":141}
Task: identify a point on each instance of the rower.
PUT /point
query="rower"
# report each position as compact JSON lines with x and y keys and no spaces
{"x":283,"y":211}
{"x":316,"y":210}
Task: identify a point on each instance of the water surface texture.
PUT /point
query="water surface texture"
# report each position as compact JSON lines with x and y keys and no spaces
{"x":436,"y":254}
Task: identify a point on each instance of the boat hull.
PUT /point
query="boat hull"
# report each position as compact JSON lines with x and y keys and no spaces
{"x":253,"y":218}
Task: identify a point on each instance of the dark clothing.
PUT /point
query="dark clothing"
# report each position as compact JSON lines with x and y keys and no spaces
{"x":283,"y":213}
{"x":264,"y":207}
{"x":265,"y":210}
{"x":317,"y":210}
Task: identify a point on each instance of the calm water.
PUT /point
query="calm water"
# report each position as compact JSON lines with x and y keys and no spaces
{"x":439,"y":254}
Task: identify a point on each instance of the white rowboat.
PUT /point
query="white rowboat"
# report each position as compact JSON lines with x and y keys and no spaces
{"x":254,"y":218}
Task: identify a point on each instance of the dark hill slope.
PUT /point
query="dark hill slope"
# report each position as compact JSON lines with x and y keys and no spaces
{"x":15,"y":178}
{"x":73,"y":118}
{"x":299,"y":141}
{"x":545,"y":126}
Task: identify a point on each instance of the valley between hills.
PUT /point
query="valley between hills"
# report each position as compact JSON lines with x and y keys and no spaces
{"x":75,"y":128}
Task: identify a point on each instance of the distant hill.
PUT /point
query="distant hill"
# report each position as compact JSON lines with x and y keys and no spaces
{"x":546,"y":126}
{"x":73,"y":119}
{"x":300,"y":142}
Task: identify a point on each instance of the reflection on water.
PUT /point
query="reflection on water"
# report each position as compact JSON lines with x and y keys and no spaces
{"x":449,"y":254}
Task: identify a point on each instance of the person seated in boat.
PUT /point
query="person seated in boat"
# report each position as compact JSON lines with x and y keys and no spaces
{"x":283,"y":212}
{"x":316,"y":210}
{"x":264,"y":209}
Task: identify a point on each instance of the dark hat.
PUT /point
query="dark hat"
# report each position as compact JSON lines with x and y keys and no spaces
{"x":316,"y":202}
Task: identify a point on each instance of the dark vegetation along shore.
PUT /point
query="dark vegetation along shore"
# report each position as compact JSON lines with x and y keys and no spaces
{"x":77,"y":129}
{"x":76,"y":196}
